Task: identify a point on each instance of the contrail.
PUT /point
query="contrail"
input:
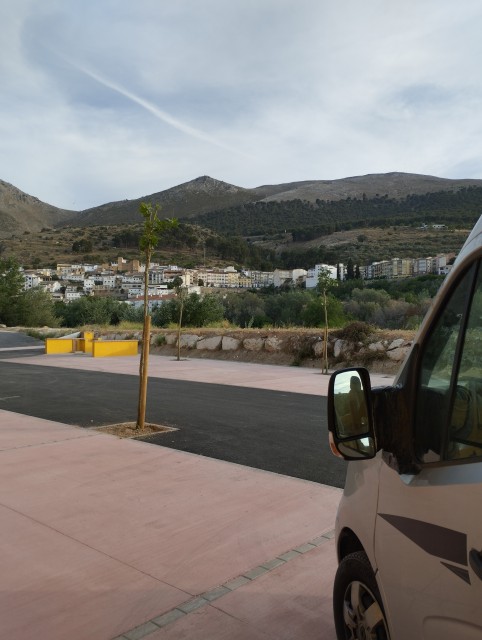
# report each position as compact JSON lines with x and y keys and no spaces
{"x":155,"y":111}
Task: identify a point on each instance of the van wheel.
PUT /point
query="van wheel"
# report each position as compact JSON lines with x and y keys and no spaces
{"x":357,"y":604}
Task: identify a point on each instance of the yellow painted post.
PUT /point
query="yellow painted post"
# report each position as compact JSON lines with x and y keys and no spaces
{"x":87,"y":340}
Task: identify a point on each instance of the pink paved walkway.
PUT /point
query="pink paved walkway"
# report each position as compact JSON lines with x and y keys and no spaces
{"x":104,"y":538}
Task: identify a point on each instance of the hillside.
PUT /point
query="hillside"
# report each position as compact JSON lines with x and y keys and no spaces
{"x":216,"y":204}
{"x":197,"y":196}
{"x":394,"y":185}
{"x":307,"y":220}
{"x":190,"y":246}
{"x":20,"y":212}
{"x":206,"y":199}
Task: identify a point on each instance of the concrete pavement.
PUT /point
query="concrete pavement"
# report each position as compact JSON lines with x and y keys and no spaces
{"x":105,"y":538}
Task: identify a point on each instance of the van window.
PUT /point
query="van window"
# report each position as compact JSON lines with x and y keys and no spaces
{"x":464,"y":437}
{"x":448,"y":422}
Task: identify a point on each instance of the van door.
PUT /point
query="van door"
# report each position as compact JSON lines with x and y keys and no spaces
{"x":428,"y":536}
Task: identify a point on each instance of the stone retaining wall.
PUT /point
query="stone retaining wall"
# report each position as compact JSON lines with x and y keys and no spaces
{"x":377,"y":351}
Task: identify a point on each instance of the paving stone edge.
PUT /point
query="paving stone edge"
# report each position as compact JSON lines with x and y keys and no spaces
{"x":185,"y":608}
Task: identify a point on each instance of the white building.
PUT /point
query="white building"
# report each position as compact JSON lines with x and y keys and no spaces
{"x":314,"y":273}
{"x":89,"y":284}
{"x":258,"y":279}
{"x":152,"y":301}
{"x":421,"y":266}
{"x":71,"y":293}
{"x":132,"y":279}
{"x":50,"y":286}
{"x":108,"y":281}
{"x":438,"y":264}
{"x":156,"y":276}
{"x":136,"y":291}
{"x":32,"y":280}
{"x":289,"y":277}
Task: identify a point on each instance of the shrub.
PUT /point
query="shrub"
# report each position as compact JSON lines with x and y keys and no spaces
{"x":355,"y":332}
{"x":304,"y":351}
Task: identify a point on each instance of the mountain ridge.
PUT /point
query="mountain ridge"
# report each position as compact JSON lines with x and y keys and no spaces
{"x":20,"y":212}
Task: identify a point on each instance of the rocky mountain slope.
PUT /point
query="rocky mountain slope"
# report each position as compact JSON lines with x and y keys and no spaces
{"x":20,"y":212}
{"x":197,"y":196}
{"x":394,"y":185}
{"x":207,"y":195}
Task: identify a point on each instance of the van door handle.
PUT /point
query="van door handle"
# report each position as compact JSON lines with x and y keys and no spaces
{"x":475,"y":559}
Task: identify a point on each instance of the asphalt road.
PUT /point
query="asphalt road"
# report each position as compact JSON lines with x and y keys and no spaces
{"x":272,"y":430}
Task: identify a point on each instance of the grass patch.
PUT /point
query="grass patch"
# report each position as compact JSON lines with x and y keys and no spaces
{"x":128,"y":325}
{"x":43,"y":334}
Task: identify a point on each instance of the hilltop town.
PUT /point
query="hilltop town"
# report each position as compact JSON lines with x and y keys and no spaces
{"x":124,"y":280}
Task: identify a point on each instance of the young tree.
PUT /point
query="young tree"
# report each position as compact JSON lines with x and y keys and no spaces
{"x":152,"y":229}
{"x":313,"y":313}
{"x":181,"y":291}
{"x":325,"y":283}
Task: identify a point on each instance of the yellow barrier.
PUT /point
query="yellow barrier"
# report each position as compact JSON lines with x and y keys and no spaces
{"x":59,"y":345}
{"x":106,"y":348}
{"x":85,"y":342}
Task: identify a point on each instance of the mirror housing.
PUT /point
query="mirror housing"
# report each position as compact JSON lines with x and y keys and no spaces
{"x":350,"y":418}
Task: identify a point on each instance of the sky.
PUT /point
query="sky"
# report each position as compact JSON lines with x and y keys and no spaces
{"x":106,"y":100}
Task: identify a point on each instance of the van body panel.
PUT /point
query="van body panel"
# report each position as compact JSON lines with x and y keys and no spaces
{"x":360,"y":500}
{"x":425,"y":528}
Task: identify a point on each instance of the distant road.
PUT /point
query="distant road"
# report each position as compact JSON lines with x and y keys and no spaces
{"x":11,"y":340}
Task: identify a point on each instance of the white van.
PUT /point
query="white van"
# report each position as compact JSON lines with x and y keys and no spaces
{"x":409,"y":525}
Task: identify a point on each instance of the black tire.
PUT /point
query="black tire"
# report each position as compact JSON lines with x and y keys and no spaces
{"x":357,"y":605}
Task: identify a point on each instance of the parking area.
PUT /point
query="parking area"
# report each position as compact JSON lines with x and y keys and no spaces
{"x":105,"y":538}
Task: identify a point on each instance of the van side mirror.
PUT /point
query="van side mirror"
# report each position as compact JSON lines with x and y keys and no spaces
{"x":350,"y":419}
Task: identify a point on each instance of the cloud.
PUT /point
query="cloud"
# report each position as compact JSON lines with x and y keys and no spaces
{"x":161,"y":115}
{"x":143,"y":96}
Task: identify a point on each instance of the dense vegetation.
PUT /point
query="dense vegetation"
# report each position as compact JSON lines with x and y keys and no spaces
{"x":307,"y":220}
{"x":204,"y":247}
{"x":387,"y":304}
{"x":397,"y":306}
{"x":208,"y":245}
{"x":19,"y":307}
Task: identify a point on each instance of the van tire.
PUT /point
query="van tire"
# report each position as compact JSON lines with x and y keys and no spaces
{"x":355,"y":593}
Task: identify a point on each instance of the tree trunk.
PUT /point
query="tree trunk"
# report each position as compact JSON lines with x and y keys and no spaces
{"x":325,"y":343}
{"x":146,"y":341}
{"x":179,"y":326}
{"x":146,"y":335}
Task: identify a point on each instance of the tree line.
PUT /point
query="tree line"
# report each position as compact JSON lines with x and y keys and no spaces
{"x":308,"y":220}
{"x":394,"y":304}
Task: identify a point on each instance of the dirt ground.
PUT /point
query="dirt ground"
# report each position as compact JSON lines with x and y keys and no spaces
{"x":128,"y":429}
